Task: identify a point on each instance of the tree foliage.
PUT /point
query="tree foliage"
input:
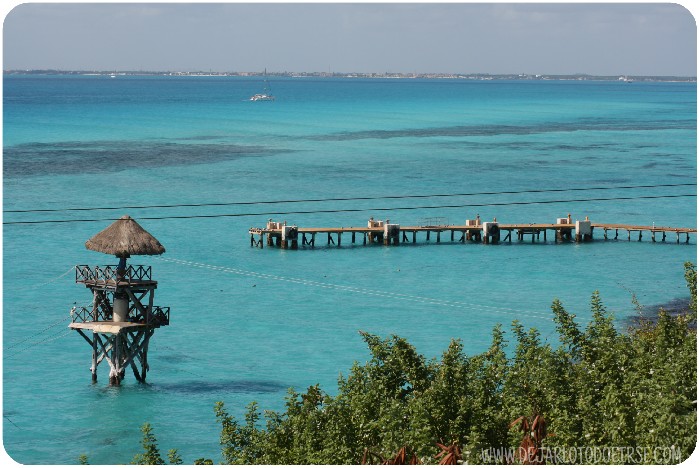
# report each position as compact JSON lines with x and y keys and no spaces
{"x":596,"y":386}
{"x":151,"y":453}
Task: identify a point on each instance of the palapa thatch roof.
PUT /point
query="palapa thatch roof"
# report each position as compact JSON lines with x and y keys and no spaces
{"x":123,"y":238}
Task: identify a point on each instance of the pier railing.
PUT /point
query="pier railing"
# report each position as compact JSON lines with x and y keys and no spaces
{"x":433,"y":222}
{"x":106,"y":273}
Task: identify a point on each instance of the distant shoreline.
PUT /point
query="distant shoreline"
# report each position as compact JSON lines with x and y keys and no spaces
{"x":386,"y":75}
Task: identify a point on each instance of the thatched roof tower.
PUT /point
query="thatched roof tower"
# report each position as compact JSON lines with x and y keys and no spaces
{"x":121,"y":320}
{"x":123,"y":238}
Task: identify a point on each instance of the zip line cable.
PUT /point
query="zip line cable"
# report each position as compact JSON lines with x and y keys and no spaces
{"x":354,"y":289}
{"x":316,"y":200}
{"x":12,"y":422}
{"x":52,"y":280}
{"x":56,"y":323}
{"x":355,"y":210}
{"x":300,"y":281}
{"x":340,"y":287}
{"x":48,"y":327}
{"x":45,"y":340}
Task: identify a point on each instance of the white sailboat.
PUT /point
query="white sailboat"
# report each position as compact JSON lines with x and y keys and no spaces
{"x":266,"y":94}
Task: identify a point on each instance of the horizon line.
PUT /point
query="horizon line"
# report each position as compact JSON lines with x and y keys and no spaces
{"x":332,"y":73}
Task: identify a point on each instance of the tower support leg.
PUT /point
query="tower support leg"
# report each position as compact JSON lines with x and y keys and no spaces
{"x":93,"y":369}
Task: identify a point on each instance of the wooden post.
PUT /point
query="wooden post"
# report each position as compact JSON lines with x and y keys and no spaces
{"x":339,"y":239}
{"x":123,"y":355}
{"x":114,"y":371}
{"x":94,"y":358}
{"x":439,"y":234}
{"x":95,"y":305}
{"x":134,"y":353}
{"x":149,"y":311}
{"x":144,"y":361}
{"x":428,"y":235}
{"x":414,"y":236}
{"x":452,"y":235}
{"x":353,"y":236}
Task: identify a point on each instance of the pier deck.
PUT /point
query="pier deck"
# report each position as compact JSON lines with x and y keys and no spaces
{"x":288,"y":236}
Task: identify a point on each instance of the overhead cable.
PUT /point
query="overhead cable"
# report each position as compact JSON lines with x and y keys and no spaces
{"x":319,"y":200}
{"x":355,"y":210}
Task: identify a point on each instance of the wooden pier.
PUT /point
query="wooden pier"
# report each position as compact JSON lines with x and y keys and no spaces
{"x":288,"y":236}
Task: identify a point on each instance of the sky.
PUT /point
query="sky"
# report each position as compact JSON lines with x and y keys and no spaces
{"x":498,"y":38}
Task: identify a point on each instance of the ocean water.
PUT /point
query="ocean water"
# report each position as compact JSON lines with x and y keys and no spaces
{"x":249,"y":323}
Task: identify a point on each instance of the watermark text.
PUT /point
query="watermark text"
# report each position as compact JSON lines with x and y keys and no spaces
{"x":584,"y":455}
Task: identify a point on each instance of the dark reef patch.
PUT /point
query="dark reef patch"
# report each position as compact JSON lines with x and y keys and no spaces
{"x":651,"y":313}
{"x":496,"y":130}
{"x":198,"y":138}
{"x":79,"y":157}
{"x":230,"y":386}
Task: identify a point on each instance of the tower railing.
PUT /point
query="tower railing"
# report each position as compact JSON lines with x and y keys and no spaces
{"x":159,"y":316}
{"x":84,"y":314}
{"x":106,"y":273}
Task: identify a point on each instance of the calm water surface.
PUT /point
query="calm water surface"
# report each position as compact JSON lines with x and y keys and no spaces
{"x":247,"y":323}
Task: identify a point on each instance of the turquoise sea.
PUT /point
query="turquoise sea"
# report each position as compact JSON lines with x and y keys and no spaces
{"x":248,"y":323}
